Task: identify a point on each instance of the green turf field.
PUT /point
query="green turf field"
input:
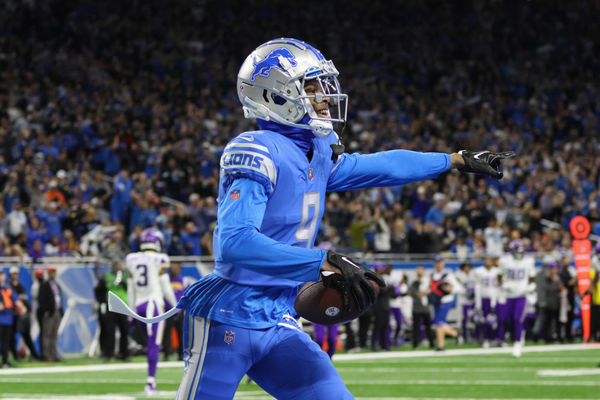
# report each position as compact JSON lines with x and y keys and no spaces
{"x":545,"y":374}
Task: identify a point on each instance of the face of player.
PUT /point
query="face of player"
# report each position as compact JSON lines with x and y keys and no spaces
{"x":420,"y":272}
{"x":314,"y":88}
{"x":439,"y":266}
{"x":489,"y":263}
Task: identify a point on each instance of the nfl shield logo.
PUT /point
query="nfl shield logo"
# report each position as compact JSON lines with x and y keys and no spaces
{"x":235,"y":194}
{"x":229,"y":337}
{"x":310,"y":174}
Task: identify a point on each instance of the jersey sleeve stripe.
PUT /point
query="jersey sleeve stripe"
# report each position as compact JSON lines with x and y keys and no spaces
{"x":248,"y":146}
{"x":240,"y":160}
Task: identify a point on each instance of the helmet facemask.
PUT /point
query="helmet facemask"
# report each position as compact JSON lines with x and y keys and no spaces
{"x":325,"y":89}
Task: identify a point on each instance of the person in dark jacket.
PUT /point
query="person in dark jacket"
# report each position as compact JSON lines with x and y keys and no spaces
{"x":568,"y":277}
{"x":21,"y":323}
{"x":419,"y":291}
{"x":382,"y":310}
{"x":51,"y":306}
{"x":552,"y":288}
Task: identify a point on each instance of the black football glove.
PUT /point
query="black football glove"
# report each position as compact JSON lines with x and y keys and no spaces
{"x":484,"y":162}
{"x":353,"y":282}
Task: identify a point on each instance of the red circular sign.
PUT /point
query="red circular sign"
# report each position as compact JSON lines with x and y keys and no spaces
{"x":580,"y":227}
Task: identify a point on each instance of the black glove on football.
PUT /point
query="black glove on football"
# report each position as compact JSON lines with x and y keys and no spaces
{"x":484,"y":162}
{"x":353,"y":282}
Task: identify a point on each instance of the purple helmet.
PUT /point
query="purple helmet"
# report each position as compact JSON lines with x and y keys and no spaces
{"x":517,"y":246}
{"x":378,"y":266}
{"x":151,"y":239}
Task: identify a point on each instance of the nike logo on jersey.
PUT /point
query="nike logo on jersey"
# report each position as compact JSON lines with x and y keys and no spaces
{"x":248,"y":138}
{"x":350,"y":262}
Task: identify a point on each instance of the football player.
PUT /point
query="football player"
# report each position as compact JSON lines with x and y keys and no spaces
{"x":331,"y":331}
{"x":241,"y":319}
{"x":147,"y":290}
{"x":486,"y":285}
{"x":466,"y":298}
{"x":517,"y":278}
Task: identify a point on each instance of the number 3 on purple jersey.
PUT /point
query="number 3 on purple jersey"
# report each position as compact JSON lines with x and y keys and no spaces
{"x":143,"y":281}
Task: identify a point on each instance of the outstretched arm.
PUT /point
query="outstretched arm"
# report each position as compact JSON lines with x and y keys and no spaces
{"x":387,"y":168}
{"x":399,"y":167}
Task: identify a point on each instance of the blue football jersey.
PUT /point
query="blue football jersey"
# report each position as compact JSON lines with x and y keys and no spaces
{"x":271,"y":201}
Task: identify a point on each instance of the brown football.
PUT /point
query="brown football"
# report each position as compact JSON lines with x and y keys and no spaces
{"x":323,"y":305}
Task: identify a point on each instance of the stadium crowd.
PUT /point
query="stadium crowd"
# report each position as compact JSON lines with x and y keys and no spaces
{"x":151,"y":108}
{"x":113,"y":117}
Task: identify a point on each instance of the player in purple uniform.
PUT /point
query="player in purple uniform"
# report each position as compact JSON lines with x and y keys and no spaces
{"x":147,"y":290}
{"x":332,"y":333}
{"x":517,"y":278}
{"x":486,"y":296}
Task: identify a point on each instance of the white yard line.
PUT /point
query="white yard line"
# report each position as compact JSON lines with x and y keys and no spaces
{"x":84,"y":368}
{"x":481,"y":382}
{"x":82,"y":380}
{"x":476,"y":369}
{"x":569,"y":372}
{"x":29,"y":396}
{"x":462,"y":352}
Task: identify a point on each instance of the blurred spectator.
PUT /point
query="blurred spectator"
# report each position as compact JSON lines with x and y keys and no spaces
{"x":52,"y":249}
{"x":466,"y":298}
{"x":51,"y":307}
{"x":16,"y":221}
{"x":443,"y":286}
{"x":35,"y":304}
{"x":176,"y":321}
{"x":436,"y":213}
{"x":114,"y":281}
{"x":191,"y":237}
{"x":401,"y":289}
{"x":381,"y":310}
{"x":113,"y":248}
{"x":121,"y":199}
{"x":21,"y":323}
{"x":53,"y":194}
{"x":594,"y":292}
{"x":8,"y":298}
{"x":568,"y":277}
{"x":420,"y":291}
{"x":36,"y":251}
{"x":552,"y":287}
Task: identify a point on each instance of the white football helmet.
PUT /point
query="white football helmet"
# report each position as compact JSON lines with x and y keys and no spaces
{"x":271,"y":82}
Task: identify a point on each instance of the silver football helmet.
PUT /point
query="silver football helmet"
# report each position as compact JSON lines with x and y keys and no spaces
{"x":271,"y":83}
